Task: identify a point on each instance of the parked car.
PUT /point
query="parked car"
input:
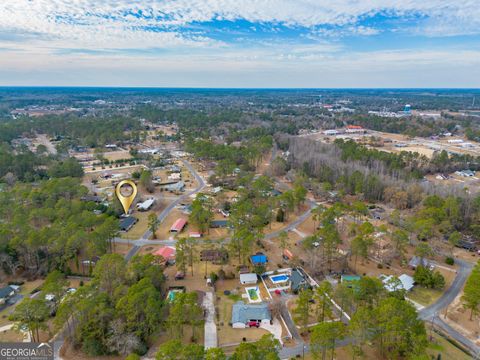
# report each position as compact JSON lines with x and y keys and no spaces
{"x":467,"y":245}
{"x":253,"y":324}
{"x":180,"y":275}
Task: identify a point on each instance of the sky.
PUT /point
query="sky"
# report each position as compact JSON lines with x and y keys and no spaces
{"x":240,"y":43}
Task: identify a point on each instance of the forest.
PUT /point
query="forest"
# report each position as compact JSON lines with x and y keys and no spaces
{"x":47,"y":225}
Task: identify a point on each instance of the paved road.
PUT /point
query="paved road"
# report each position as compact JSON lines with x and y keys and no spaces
{"x":431,"y":312}
{"x":425,"y":314}
{"x":59,"y":338}
{"x":162,"y":216}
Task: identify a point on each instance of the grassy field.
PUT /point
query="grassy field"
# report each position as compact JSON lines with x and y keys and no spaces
{"x":438,"y":345}
{"x":424,"y":296}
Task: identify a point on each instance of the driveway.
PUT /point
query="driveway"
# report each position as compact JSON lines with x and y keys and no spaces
{"x":210,"y":326}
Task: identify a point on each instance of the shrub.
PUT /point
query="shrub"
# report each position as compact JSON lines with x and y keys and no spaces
{"x":449,"y":260}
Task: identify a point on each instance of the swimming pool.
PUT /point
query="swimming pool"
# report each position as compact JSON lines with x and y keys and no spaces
{"x":171,"y":294}
{"x":278,"y":279}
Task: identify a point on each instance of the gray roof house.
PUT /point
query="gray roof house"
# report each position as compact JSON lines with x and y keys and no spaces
{"x":5,"y":293}
{"x":176,"y":187}
{"x":298,"y":281}
{"x":127,"y":223}
{"x":243,"y":313}
{"x":418,"y":261}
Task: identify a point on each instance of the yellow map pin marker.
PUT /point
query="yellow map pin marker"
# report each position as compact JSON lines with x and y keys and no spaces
{"x":126,"y":201}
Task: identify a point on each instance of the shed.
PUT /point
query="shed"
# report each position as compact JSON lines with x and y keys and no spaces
{"x":248,"y":278}
{"x":242,"y":314}
{"x":259,"y":259}
{"x":127,"y":223}
{"x":178,"y":225}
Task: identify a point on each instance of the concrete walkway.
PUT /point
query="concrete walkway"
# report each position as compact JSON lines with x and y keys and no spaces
{"x":210,"y":327}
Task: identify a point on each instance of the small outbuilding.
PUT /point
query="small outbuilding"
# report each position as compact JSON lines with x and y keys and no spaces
{"x":248,"y":278}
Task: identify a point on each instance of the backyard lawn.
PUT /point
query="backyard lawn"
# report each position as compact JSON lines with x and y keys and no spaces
{"x":424,"y":296}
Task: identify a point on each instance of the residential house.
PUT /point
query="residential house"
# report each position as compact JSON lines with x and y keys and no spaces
{"x":403,"y":282}
{"x":127,"y":223}
{"x":298,"y":281}
{"x":146,"y":205}
{"x":217,"y":224}
{"x":167,"y":254}
{"x":178,"y":225}
{"x":215,"y":256}
{"x":417,"y":261}
{"x":6,"y":293}
{"x":245,"y":315}
{"x":176,"y":187}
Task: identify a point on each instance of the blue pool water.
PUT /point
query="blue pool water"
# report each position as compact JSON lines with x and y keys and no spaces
{"x":279,"y":278}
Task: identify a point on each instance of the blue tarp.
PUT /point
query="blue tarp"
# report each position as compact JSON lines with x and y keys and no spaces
{"x":258,"y":259}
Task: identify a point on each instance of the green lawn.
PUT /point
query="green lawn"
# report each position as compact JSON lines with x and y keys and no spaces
{"x":424,"y":296}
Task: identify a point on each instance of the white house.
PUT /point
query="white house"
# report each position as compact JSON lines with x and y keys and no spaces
{"x":392,"y":283}
{"x":248,"y":278}
{"x":146,"y":205}
{"x":330,"y":132}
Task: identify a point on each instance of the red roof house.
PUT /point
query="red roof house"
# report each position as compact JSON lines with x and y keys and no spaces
{"x":166,"y":252}
{"x":178,"y":225}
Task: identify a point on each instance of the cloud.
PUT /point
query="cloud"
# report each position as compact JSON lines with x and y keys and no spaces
{"x":159,"y":23}
{"x":244,"y":38}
